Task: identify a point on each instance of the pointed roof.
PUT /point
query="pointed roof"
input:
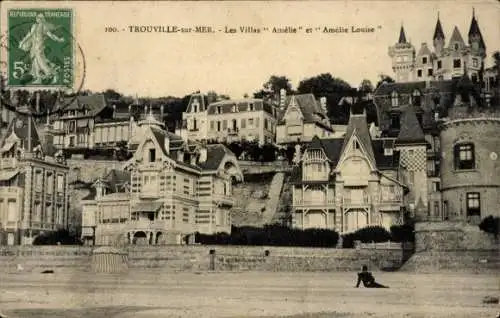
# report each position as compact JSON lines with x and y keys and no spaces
{"x":438,"y":31}
{"x":24,"y":127}
{"x":402,"y":35}
{"x":410,"y":133}
{"x":474,"y":31}
{"x":358,"y":126}
{"x":456,"y":37}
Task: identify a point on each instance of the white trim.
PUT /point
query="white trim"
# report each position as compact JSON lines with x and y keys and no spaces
{"x":348,"y":147}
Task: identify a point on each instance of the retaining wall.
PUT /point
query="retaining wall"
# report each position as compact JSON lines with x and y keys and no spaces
{"x":198,"y":258}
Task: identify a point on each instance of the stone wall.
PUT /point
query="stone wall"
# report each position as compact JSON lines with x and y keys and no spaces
{"x":449,"y":236}
{"x":198,"y":258}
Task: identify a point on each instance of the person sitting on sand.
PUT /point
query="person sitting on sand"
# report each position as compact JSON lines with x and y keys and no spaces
{"x":368,"y":280}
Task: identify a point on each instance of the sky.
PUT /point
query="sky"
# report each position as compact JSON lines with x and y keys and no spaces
{"x":174,"y":64}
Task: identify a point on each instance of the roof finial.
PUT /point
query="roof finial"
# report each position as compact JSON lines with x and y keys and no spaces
{"x":473,"y":12}
{"x":438,"y":15}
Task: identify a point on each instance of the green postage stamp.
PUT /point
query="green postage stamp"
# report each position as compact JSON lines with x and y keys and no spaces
{"x":40,"y":48}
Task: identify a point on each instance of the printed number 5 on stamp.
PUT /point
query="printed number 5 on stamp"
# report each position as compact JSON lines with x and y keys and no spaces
{"x":40,"y":48}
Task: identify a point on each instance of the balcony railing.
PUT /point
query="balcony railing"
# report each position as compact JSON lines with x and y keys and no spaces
{"x":365,"y":200}
{"x":312,"y":202}
{"x":394,"y":198}
{"x":147,"y":225}
{"x":8,"y":163}
{"x":232,"y":132}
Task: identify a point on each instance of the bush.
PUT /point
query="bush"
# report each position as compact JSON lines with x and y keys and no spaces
{"x":53,"y":238}
{"x":490,"y":224}
{"x":367,"y":234}
{"x":272,"y":235}
{"x":403,"y":233}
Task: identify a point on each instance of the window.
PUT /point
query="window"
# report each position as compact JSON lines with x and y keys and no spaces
{"x":152,"y":155}
{"x":436,"y":208}
{"x":224,"y":124}
{"x":439,"y":65}
{"x":474,"y":78}
{"x":430,"y":72}
{"x":419,"y":73}
{"x":388,"y":151}
{"x":71,"y":142}
{"x":473,"y":204}
{"x":464,"y":157}
{"x":419,"y":118}
{"x":195,"y":124}
{"x":219,"y":110}
{"x":38,"y":178}
{"x":235,"y":125}
{"x":475,"y":62}
{"x":251,"y":107}
{"x":445,"y":210}
{"x":395,"y":124}
{"x":250,"y":122}
{"x":212,"y":125}
{"x":60,"y":183}
{"x":424,"y":60}
{"x":395,"y":99}
{"x":218,"y":126}
{"x":243,"y":123}
{"x":266,"y":124}
{"x":457,"y":46}
{"x":457,"y":63}
{"x":417,"y":98}
{"x":355,"y":145}
{"x":436,"y":186}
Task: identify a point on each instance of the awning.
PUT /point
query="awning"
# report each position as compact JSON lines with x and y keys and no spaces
{"x":7,"y":146}
{"x":7,"y":175}
{"x":152,"y":206}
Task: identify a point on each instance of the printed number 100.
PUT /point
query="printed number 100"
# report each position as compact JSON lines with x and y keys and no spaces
{"x":110,"y":29}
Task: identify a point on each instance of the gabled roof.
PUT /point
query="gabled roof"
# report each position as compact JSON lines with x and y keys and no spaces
{"x":424,"y":50}
{"x":93,"y":103}
{"x":114,"y":181}
{"x":358,"y":127}
{"x":24,"y":128}
{"x":215,"y":155}
{"x":438,"y":31}
{"x":410,"y":132}
{"x":198,"y":100}
{"x":309,"y":106}
{"x":400,"y":88}
{"x":456,"y":37}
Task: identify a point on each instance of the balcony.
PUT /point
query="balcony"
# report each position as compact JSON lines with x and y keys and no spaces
{"x":6,"y":163}
{"x":11,"y":225}
{"x":308,"y":203}
{"x":232,"y":132}
{"x":356,"y":202}
{"x":147,"y":225}
{"x":391,"y":199}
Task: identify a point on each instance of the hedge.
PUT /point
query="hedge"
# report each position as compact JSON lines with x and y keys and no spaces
{"x":272,"y":235}
{"x":62,"y":237}
{"x":490,"y":224}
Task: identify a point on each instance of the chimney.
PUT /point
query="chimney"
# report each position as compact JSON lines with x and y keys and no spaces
{"x":193,"y":159}
{"x":282,"y":98}
{"x":322,"y":102}
{"x":203,"y":154}
{"x":114,"y":110}
{"x":162,"y":109}
{"x":180,"y":155}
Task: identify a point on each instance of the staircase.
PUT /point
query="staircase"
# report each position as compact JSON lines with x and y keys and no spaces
{"x":282,"y":215}
{"x":273,"y":197}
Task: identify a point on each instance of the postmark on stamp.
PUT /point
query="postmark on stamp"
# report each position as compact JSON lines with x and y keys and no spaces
{"x":40,"y":48}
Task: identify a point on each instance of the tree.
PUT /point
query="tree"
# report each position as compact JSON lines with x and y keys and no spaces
{"x":112,"y":94}
{"x":333,"y":88}
{"x":496,"y":60}
{"x":490,"y":224}
{"x":271,"y":89}
{"x":383,"y":78}
{"x":366,"y":86}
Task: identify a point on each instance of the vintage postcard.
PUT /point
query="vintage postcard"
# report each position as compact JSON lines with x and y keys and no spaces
{"x":249,"y":158}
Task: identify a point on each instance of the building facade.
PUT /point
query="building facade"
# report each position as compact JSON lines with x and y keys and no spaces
{"x":89,"y":122}
{"x":470,"y":170}
{"x":170,"y":189}
{"x":352,"y":182}
{"x":444,"y":60}
{"x":228,"y":120}
{"x":33,"y":183}
{"x":301,"y":118}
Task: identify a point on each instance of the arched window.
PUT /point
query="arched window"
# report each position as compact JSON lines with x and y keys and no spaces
{"x":464,"y":157}
{"x":416,"y":98}
{"x":395,"y":99}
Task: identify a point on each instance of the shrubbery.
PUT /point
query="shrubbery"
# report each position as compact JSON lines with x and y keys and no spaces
{"x":62,"y":237}
{"x":272,"y":235}
{"x":490,"y":224}
{"x":378,"y":234}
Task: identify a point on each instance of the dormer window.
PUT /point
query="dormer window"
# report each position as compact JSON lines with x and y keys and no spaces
{"x":457,"y":46}
{"x":424,"y":60}
{"x":416,"y":98}
{"x":234,"y":108}
{"x":355,"y":145}
{"x":219,"y":110}
{"x":394,"y":99}
{"x":475,"y":62}
{"x":457,"y":63}
{"x":152,"y":155}
{"x":251,"y":107}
